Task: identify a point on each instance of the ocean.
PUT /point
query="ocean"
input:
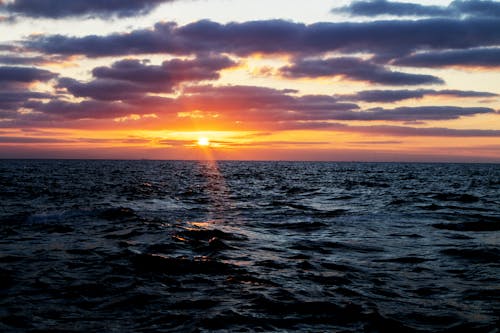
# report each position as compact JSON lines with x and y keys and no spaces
{"x":228,"y":246}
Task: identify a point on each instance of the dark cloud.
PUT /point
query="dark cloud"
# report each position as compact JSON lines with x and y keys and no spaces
{"x":27,"y":139}
{"x":58,"y":109}
{"x":355,"y":69}
{"x":14,"y":88}
{"x":320,"y":102}
{"x":10,"y":139}
{"x":415,"y":113}
{"x":457,"y":8}
{"x":166,"y":37}
{"x":14,"y":99}
{"x":269,"y":36}
{"x":383,"y":7}
{"x":130,"y":79}
{"x":244,"y":104}
{"x":400,"y":114}
{"x":108,"y":90}
{"x":8,"y":47}
{"x":16,"y":60}
{"x":385,"y":130}
{"x":427,"y":131}
{"x":24,"y":74}
{"x":477,"y":7}
{"x":249,"y":103}
{"x":229,"y":103}
{"x":385,"y":38}
{"x":34,"y":60}
{"x":482,"y":57}
{"x":239,"y":103}
{"x":89,"y":8}
{"x":390,"y":96}
{"x":6,"y":115}
{"x":170,"y":72}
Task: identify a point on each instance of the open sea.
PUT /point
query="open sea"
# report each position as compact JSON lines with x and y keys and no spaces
{"x":179,"y":246}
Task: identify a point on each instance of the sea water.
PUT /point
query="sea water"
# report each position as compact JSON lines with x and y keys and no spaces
{"x":156,"y":246}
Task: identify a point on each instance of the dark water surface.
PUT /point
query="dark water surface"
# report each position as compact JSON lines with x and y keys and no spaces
{"x":155,"y":246}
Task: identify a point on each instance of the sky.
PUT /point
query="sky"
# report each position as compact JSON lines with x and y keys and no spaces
{"x":366,"y":80}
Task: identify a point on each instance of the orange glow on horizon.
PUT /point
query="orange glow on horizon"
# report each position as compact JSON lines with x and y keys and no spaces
{"x":201,"y":144}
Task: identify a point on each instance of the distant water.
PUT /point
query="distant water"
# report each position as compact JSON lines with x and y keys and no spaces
{"x":158,"y":246}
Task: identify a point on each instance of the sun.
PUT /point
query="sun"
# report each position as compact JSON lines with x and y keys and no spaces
{"x":203,"y":141}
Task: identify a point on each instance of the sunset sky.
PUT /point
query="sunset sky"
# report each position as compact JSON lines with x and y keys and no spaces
{"x":262,"y":79}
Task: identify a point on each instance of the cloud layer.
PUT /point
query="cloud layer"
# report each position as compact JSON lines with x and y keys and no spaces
{"x":482,"y":57}
{"x":251,"y":105}
{"x":391,"y":96}
{"x":130,"y":78}
{"x":70,"y":8}
{"x":24,"y":74}
{"x":356,"y":69}
{"x":484,"y":8}
{"x":385,"y":39}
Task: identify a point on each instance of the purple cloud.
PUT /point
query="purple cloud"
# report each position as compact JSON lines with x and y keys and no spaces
{"x":24,"y":74}
{"x":355,"y":69}
{"x":131,"y":79}
{"x":14,"y":99}
{"x":21,"y":60}
{"x":107,"y":90}
{"x":456,"y":8}
{"x":24,"y":139}
{"x":384,"y":38}
{"x":482,"y":57}
{"x":240,"y":103}
{"x":90,"y":8}
{"x":14,"y":85}
{"x":247,"y":103}
{"x":384,"y":7}
{"x":428,"y":131}
{"x":58,"y":109}
{"x":416,"y":113}
{"x":390,"y":96}
{"x":384,"y":130}
{"x":171,"y":71}
{"x":251,"y":103}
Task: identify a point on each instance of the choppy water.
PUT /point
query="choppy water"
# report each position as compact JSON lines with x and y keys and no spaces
{"x":153,"y":246}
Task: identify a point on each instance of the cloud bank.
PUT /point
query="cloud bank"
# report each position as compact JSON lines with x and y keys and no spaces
{"x":55,"y":9}
{"x":355,"y":69}
{"x":385,"y":39}
{"x":456,"y":8}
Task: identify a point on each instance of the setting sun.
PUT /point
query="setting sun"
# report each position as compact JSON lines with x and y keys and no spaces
{"x":203,"y":142}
